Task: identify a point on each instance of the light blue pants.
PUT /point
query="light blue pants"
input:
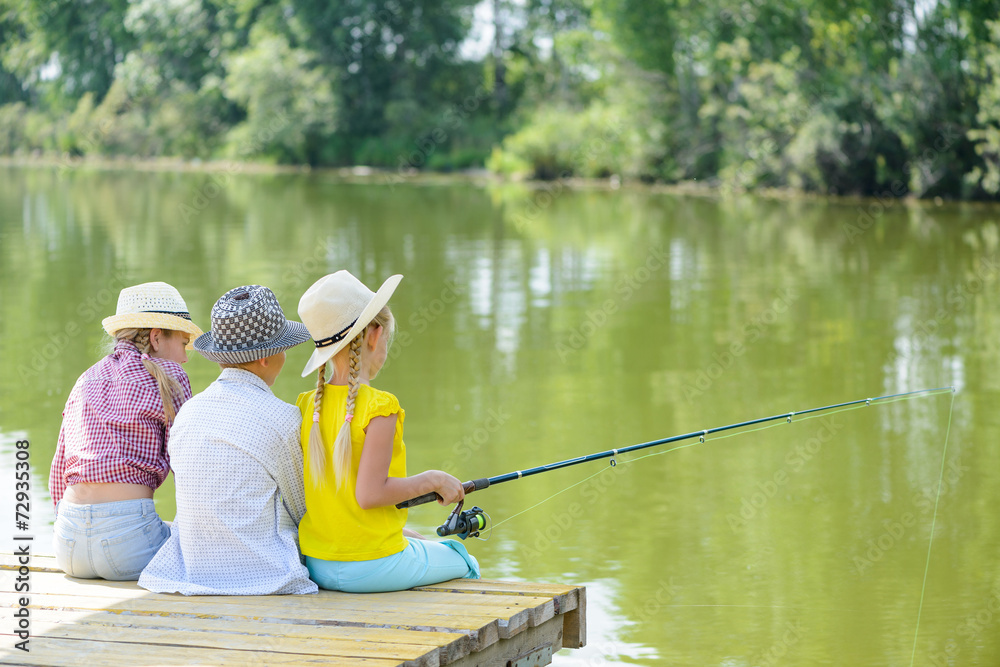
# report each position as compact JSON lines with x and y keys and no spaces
{"x":421,"y":563}
{"x":107,"y":540}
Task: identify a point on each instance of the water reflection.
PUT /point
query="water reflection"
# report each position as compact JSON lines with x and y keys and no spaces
{"x":537,"y":328}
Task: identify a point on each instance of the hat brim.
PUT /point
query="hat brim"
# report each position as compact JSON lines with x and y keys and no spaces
{"x":292,"y":334}
{"x":323,"y":354}
{"x":116,"y":323}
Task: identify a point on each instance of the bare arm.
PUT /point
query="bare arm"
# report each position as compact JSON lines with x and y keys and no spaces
{"x":376,"y":489}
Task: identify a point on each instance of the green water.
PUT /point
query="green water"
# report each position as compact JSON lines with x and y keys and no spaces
{"x":538,"y":326}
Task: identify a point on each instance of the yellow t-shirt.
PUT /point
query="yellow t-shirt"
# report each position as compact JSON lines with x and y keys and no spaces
{"x":334,"y":526}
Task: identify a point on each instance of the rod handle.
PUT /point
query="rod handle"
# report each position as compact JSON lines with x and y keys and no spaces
{"x":470,"y":486}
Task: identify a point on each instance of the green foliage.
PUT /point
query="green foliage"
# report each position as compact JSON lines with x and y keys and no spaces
{"x":288,"y":99}
{"x":176,"y":38}
{"x":987,"y":136}
{"x":559,"y":142}
{"x":83,"y":40}
{"x":12,"y":135}
{"x":831,"y":96}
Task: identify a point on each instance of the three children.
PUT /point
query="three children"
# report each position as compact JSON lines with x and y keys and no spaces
{"x":244,"y":501}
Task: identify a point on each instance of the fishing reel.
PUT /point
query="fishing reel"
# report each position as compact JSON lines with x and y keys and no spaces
{"x":465,"y":524}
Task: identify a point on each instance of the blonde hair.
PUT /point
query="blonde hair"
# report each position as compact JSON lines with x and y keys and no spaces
{"x":342,"y":450}
{"x":171,"y":392}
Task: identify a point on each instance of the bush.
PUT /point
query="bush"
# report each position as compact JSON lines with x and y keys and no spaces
{"x":559,"y":142}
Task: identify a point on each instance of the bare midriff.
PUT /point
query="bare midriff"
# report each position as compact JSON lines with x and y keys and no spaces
{"x":92,"y":494}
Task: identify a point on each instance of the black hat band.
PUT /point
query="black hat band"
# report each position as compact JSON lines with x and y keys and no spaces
{"x":335,"y":338}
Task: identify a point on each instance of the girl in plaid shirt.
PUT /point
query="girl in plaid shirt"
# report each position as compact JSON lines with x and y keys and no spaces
{"x":112,"y":453}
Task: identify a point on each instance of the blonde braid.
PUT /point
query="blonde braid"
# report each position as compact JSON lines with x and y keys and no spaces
{"x":170,"y":390}
{"x":317,"y":449}
{"x":342,"y":452}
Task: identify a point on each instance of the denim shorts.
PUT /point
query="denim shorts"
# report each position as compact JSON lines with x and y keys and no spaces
{"x":108,"y":540}
{"x":421,"y":563}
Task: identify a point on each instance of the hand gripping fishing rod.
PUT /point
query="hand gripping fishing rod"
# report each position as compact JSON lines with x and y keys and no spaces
{"x":470,"y":522}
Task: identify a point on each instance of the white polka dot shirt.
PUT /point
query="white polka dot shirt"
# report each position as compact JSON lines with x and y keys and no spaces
{"x":237,"y":462}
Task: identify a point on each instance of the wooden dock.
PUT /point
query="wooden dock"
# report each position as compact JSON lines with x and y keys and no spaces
{"x":461,"y":622}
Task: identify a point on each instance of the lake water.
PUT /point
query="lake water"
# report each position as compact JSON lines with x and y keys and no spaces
{"x":540,"y":325}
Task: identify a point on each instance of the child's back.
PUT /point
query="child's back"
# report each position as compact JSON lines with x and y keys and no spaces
{"x":234,"y":449}
{"x":353,"y":537}
{"x":235,"y":453}
{"x":361,"y":534}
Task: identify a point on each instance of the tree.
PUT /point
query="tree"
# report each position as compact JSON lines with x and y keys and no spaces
{"x":85,"y":40}
{"x":288,"y":97}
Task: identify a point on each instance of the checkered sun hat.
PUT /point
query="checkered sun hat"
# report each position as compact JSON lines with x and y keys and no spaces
{"x":248,"y":324}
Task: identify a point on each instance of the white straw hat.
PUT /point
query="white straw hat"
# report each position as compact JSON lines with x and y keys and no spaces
{"x":151,"y":306}
{"x":248,"y":324}
{"x":336,"y":309}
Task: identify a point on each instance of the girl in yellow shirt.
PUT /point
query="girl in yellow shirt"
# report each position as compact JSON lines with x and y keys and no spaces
{"x":352,"y":536}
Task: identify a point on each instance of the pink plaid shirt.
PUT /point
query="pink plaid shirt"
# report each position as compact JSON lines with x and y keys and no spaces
{"x":114,"y":429}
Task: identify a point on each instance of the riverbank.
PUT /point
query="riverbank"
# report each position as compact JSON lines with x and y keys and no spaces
{"x":478,"y":177}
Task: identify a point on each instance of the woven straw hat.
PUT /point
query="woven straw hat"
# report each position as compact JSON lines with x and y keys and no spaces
{"x":248,"y":324}
{"x":151,"y":306}
{"x":336,"y":309}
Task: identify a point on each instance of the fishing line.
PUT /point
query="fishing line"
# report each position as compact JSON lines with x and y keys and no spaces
{"x":542,"y":502}
{"x":930,"y":542}
{"x":773,"y":606}
{"x":792,"y":418}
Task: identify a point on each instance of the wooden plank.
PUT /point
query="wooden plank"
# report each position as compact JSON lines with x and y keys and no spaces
{"x":499,"y":587}
{"x":463,"y":621}
{"x":564,"y":598}
{"x":513,"y":614}
{"x":278,"y":644}
{"x":50,"y":582}
{"x":504,"y":621}
{"x":483,"y":630}
{"x":38,"y":563}
{"x":575,"y":622}
{"x":47,"y":564}
{"x":439,"y":647}
{"x":506,"y":650}
{"x":358,"y":634}
{"x":59,"y":652}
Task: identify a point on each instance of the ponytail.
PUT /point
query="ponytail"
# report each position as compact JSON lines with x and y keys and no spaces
{"x":342,"y":447}
{"x":342,"y":450}
{"x":317,"y":450}
{"x":171,"y":392}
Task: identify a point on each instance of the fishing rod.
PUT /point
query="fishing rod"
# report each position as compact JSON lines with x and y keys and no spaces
{"x":469,"y":523}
